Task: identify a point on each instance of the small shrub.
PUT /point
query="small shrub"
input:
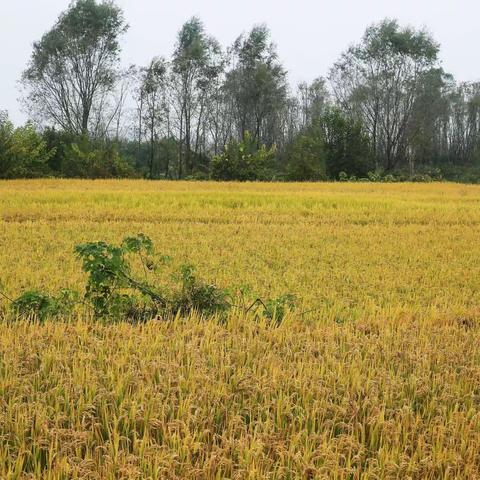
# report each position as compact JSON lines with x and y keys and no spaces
{"x":110,"y":273}
{"x":87,"y":159}
{"x":421,"y":178}
{"x":276,"y":308}
{"x":374,"y":176}
{"x":114,"y":293}
{"x":23,"y":152}
{"x":196,"y":295}
{"x":389,"y":178}
{"x":244,"y":161}
{"x":307,"y":157}
{"x":35,"y":304}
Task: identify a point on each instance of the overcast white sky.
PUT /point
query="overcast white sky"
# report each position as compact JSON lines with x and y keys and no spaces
{"x":310,"y":34}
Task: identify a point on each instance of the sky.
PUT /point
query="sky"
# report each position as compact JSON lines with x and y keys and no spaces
{"x":310,"y":34}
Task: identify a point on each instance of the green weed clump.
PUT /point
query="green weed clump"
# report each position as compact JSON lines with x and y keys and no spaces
{"x":39,"y":305}
{"x":113,"y":292}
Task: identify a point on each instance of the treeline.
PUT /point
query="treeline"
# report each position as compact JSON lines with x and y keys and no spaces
{"x":386,"y":110}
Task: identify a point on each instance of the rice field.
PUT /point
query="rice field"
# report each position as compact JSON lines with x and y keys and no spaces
{"x":375,"y":375}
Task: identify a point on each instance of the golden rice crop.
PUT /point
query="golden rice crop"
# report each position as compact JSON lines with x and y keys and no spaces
{"x":379,"y":379}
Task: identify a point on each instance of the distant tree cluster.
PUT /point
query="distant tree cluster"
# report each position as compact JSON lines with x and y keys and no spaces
{"x":386,"y":109}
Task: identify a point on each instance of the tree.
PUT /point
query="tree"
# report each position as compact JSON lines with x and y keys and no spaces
{"x":428,"y":129}
{"x":58,"y":142}
{"x":152,"y":97}
{"x":347,"y":147}
{"x":74,"y":66}
{"x":314,"y":99}
{"x":23,"y":151}
{"x":197,"y":62}
{"x":307,"y":156}
{"x":87,"y":158}
{"x":6,"y":132}
{"x":377,"y":82}
{"x":258,"y":86}
{"x":464,"y":126}
{"x":331,"y":144}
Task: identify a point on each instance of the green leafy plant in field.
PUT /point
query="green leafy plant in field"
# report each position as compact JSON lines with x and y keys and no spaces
{"x":39,"y":305}
{"x":114,"y":292}
{"x":109,"y":275}
{"x":276,"y":308}
{"x":197,"y":295}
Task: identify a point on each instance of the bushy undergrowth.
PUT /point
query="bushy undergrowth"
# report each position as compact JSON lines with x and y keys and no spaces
{"x":422,"y":176}
{"x":39,"y":304}
{"x":114,"y":292}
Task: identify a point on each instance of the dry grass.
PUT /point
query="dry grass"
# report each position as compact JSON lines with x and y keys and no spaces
{"x":382,"y":380}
